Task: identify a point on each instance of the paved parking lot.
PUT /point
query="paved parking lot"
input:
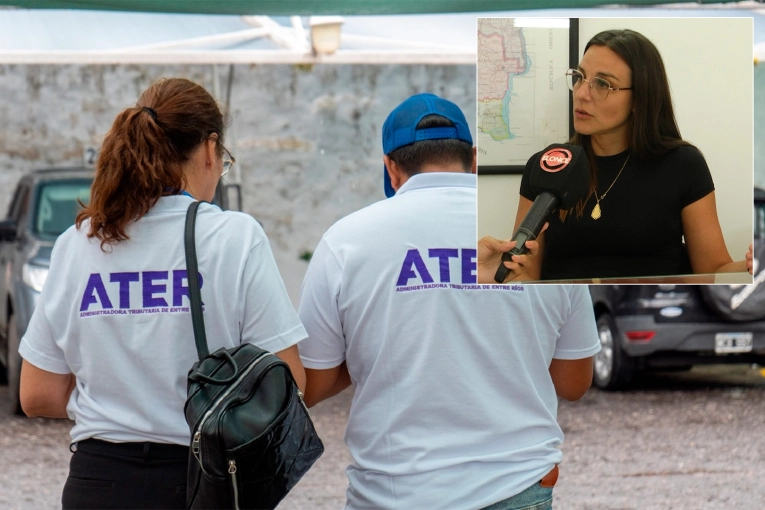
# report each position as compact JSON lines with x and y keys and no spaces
{"x":692,"y":440}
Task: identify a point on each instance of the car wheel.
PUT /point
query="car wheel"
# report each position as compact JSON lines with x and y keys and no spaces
{"x":612,"y":368}
{"x":14,"y":366}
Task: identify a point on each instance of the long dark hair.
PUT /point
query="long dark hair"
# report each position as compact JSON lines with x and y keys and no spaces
{"x":654,"y":128}
{"x":142,"y":155}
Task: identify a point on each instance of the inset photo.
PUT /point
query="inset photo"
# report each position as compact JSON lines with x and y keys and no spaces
{"x":615,"y":150}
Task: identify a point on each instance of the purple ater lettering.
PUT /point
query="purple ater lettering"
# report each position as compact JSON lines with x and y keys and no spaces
{"x":179,"y":289}
{"x":149,"y":289}
{"x":413,"y":258}
{"x":124,"y":280}
{"x":88,"y":297}
{"x":443,"y":255}
{"x":468,"y":265}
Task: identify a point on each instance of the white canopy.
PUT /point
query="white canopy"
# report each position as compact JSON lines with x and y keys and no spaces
{"x":104,"y":37}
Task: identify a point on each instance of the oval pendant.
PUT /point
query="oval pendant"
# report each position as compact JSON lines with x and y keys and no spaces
{"x":595,"y":212}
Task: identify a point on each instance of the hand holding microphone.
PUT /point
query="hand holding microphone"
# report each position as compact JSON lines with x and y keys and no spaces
{"x":490,"y":251}
{"x":560,"y":177}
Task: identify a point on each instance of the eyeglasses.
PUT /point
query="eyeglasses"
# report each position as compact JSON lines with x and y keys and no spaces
{"x":599,"y":87}
{"x":228,"y":161}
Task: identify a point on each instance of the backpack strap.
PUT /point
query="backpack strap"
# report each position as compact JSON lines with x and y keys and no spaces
{"x":192,"y":275}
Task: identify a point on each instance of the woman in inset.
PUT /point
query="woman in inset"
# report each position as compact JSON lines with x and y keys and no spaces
{"x":649,"y":188}
{"x":110,"y":343}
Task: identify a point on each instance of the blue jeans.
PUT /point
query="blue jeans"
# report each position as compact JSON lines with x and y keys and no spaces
{"x":533,"y":498}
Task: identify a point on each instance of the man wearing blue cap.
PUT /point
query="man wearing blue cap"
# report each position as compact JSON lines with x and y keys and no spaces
{"x":455,"y":397}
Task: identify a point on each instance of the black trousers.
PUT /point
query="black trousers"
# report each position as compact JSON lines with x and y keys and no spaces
{"x":126,"y":475}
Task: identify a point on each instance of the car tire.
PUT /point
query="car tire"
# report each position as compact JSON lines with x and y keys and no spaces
{"x":14,"y":367}
{"x":612,"y":369}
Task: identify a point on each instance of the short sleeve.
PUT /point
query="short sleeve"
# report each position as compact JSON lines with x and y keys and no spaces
{"x":578,"y":336}
{"x":526,"y":190}
{"x":269,"y":319}
{"x":325,"y":346}
{"x":695,"y":179}
{"x":39,"y":347}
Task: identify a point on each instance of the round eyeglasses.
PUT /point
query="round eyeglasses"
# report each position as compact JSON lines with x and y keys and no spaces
{"x":228,"y":161}
{"x":599,"y":87}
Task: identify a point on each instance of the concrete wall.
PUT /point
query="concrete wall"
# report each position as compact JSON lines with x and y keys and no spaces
{"x":306,"y":138}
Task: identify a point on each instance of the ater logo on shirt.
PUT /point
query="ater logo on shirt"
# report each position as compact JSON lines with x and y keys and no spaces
{"x":136,"y":293}
{"x":455,"y":269}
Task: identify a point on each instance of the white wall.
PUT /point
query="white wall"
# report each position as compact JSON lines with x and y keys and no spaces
{"x":497,"y":205}
{"x":306,"y":138}
{"x":709,"y":65}
{"x":710,"y":69}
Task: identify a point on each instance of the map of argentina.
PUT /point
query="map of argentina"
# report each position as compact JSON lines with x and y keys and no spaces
{"x":501,"y":56}
{"x":522,"y":98}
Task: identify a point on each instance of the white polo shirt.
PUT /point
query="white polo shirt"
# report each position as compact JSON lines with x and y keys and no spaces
{"x":454,"y":407}
{"x":120,"y":320}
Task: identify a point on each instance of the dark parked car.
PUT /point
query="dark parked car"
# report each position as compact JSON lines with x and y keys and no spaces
{"x":44,"y":205}
{"x":678,"y":326}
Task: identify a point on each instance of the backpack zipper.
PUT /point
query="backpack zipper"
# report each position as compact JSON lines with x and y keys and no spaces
{"x":232,"y":472}
{"x":300,"y":396}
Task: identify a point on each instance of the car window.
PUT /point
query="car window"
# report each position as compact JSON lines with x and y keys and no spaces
{"x":57,"y":206}
{"x":759,"y":220}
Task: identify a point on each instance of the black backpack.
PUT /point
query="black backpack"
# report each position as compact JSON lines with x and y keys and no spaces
{"x":251,"y":436}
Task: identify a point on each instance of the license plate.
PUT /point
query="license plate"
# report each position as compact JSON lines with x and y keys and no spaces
{"x":733,"y":342}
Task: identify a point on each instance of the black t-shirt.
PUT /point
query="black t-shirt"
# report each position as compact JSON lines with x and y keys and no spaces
{"x":640,"y":231}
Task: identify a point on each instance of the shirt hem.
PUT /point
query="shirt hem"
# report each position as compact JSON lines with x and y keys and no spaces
{"x":321,"y":365}
{"x":128,"y":438}
{"x":578,"y":354}
{"x":42,"y":361}
{"x":284,"y":340}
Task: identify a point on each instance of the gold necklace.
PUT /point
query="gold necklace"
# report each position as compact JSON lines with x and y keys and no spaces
{"x":596,"y":210}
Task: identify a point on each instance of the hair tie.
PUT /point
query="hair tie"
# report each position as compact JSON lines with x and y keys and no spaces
{"x":151,"y":111}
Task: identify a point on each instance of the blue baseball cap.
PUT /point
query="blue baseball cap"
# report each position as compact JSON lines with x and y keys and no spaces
{"x":400,"y":127}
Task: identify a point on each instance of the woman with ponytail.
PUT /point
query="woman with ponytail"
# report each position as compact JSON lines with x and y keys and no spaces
{"x":110,"y":342}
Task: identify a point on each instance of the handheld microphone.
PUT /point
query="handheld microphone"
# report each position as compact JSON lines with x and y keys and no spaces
{"x":559,"y":175}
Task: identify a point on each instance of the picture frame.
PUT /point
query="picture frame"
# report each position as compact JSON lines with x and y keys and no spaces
{"x":498,"y":129}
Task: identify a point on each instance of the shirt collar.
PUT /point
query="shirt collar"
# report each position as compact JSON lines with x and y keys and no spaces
{"x":171,"y":203}
{"x":429,"y":180}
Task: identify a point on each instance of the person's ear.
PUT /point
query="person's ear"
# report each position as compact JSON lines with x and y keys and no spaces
{"x":474,"y":167}
{"x":211,"y":150}
{"x":394,"y":172}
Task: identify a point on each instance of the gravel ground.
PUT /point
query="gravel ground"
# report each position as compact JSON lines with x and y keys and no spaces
{"x":692,"y":440}
{"x":678,"y":441}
